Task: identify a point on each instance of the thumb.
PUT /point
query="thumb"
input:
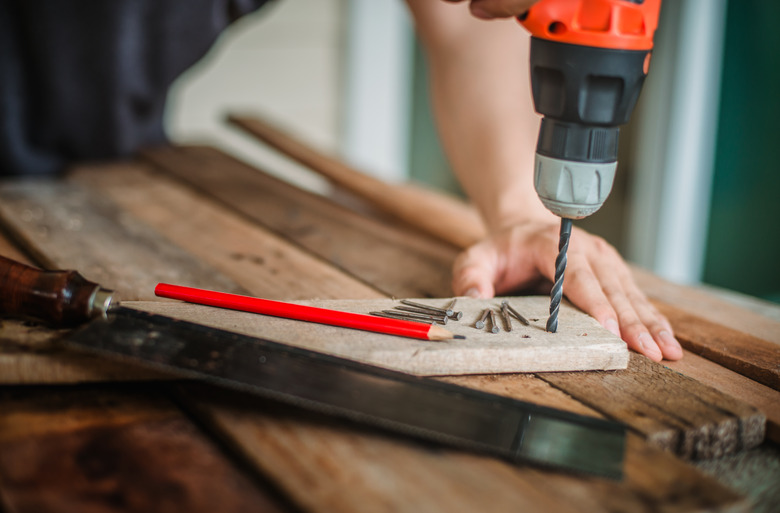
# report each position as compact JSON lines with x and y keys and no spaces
{"x":474,"y":272}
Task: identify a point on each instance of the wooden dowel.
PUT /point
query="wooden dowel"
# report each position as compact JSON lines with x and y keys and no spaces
{"x":447,"y":218}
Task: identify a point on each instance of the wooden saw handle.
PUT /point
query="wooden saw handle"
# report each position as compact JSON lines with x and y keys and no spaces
{"x":61,"y":298}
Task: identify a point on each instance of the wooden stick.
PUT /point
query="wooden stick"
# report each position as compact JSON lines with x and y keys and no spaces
{"x":447,"y":218}
{"x":401,"y":328}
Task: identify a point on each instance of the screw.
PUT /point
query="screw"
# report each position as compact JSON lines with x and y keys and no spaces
{"x":493,"y":323}
{"x":515,"y":313}
{"x":481,"y":322}
{"x":505,"y":315}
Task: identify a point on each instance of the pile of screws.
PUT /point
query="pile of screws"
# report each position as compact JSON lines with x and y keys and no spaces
{"x":506,"y":311}
{"x":411,"y":311}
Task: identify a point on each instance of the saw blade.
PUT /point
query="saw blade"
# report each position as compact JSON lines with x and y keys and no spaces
{"x":423,"y":408}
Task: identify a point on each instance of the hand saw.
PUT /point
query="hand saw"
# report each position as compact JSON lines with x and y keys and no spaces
{"x":422,"y":408}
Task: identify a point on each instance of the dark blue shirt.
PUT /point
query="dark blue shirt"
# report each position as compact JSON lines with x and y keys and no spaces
{"x":88,"y":79}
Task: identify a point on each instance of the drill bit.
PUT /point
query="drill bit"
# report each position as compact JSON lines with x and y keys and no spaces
{"x":560,"y":266}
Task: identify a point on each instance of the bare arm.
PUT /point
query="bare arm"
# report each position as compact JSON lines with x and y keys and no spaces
{"x":484,"y":111}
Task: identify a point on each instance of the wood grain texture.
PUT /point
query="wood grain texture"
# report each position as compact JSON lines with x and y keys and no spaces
{"x":387,"y":475}
{"x":580,"y":344}
{"x":754,"y":473}
{"x":746,"y":354}
{"x":242,"y":251}
{"x":10,"y":250}
{"x":668,"y":408}
{"x":366,"y":249}
{"x":66,"y":226}
{"x":304,"y":452}
{"x":29,"y":354}
{"x":707,"y":306}
{"x":736,"y":385}
{"x":412,"y":268}
{"x":98,"y":450}
{"x":412,"y":204}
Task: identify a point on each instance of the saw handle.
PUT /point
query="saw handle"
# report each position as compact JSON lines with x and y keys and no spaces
{"x":61,"y":298}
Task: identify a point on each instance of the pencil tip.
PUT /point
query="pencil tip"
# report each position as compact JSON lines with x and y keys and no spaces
{"x":462,"y":337}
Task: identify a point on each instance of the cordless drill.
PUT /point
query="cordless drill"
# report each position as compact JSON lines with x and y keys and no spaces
{"x":589,"y":59}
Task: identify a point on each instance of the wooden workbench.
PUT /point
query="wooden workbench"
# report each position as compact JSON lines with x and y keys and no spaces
{"x":81,"y":434}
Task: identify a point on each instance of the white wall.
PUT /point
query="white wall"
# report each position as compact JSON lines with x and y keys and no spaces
{"x":286,"y":62}
{"x":675,"y":141}
{"x":378,"y":88}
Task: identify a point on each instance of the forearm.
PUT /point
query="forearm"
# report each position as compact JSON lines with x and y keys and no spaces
{"x":482,"y":101}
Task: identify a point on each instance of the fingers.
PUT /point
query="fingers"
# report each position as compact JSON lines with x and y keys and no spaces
{"x":643,"y":328}
{"x":583,"y":289}
{"x":490,"y":9}
{"x":475,"y":271}
{"x":657,"y":325}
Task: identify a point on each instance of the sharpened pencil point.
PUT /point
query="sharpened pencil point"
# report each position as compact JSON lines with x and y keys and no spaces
{"x":460,"y":337}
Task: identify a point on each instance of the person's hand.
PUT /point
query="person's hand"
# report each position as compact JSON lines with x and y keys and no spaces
{"x":597,"y":280}
{"x":490,"y":9}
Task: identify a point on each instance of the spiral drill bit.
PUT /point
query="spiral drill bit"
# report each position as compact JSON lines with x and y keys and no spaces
{"x":560,"y":266}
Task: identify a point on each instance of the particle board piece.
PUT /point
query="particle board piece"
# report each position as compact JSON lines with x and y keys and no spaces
{"x":673,"y":411}
{"x":102,"y":450}
{"x":242,"y":251}
{"x":66,"y":226}
{"x":746,"y":354}
{"x":369,"y":250}
{"x":580,"y":344}
{"x":385,"y":474}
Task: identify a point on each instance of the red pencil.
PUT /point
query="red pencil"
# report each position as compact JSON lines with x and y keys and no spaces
{"x":304,"y":313}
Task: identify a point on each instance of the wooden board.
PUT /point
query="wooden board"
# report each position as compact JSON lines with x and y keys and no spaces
{"x":751,"y":356}
{"x":55,"y":221}
{"x":366,"y":249}
{"x":707,"y":306}
{"x":106,"y":449}
{"x":246,"y":253}
{"x":668,"y":408}
{"x":29,"y":354}
{"x":580,"y":344}
{"x":760,"y":396}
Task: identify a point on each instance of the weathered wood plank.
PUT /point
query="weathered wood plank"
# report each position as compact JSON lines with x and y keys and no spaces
{"x":386,"y":475}
{"x":707,"y":306}
{"x":66,"y":226}
{"x":245,"y":252}
{"x":746,"y":354}
{"x":371,"y":251}
{"x":754,"y":473}
{"x":673,"y":411}
{"x":736,"y":385}
{"x":105,"y":450}
{"x":10,"y":250}
{"x":29,"y":354}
